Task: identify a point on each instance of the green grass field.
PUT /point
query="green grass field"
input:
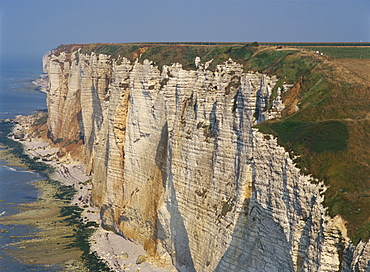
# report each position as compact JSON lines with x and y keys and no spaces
{"x":343,"y":52}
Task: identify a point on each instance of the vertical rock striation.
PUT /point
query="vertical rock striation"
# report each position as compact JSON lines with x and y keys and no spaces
{"x":178,"y":167}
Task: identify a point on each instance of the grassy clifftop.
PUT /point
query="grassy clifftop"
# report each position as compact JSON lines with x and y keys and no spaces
{"x":328,"y":136}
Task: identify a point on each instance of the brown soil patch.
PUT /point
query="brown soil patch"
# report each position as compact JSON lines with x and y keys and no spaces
{"x":292,"y":98}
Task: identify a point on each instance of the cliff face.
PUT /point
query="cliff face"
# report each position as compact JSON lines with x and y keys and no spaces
{"x":178,"y":167}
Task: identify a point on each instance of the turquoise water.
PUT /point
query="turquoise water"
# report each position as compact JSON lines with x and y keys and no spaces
{"x":17,"y":96}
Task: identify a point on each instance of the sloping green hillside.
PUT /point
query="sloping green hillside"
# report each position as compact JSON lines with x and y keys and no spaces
{"x":329,"y":134}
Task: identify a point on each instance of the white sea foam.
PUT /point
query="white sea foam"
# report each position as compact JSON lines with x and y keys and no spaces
{"x":10,"y":168}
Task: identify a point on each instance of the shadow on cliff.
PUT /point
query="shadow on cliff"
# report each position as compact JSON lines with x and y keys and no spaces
{"x":258,"y":243}
{"x":179,"y":240}
{"x":97,"y":118}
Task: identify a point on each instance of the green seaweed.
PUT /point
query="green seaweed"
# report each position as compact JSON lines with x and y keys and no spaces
{"x":83,"y":231}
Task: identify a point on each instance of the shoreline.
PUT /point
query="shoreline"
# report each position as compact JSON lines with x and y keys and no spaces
{"x":119,"y":253}
{"x":42,"y":83}
{"x":51,"y":243}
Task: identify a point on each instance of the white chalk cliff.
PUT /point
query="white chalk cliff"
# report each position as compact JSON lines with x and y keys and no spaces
{"x":178,"y":167}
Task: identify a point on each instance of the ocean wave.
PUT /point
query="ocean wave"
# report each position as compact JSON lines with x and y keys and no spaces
{"x":9,"y":168}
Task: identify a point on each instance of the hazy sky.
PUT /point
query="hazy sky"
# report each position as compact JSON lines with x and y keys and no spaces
{"x":29,"y":28}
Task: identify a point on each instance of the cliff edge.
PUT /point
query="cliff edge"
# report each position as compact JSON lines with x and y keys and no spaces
{"x":172,"y":137}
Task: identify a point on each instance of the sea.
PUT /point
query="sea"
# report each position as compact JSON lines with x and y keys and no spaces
{"x":17,"y":96}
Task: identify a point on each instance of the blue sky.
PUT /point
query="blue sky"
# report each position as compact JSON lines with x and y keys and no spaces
{"x":29,"y":28}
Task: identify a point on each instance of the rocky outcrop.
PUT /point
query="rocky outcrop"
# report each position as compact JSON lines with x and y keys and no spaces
{"x":178,"y":167}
